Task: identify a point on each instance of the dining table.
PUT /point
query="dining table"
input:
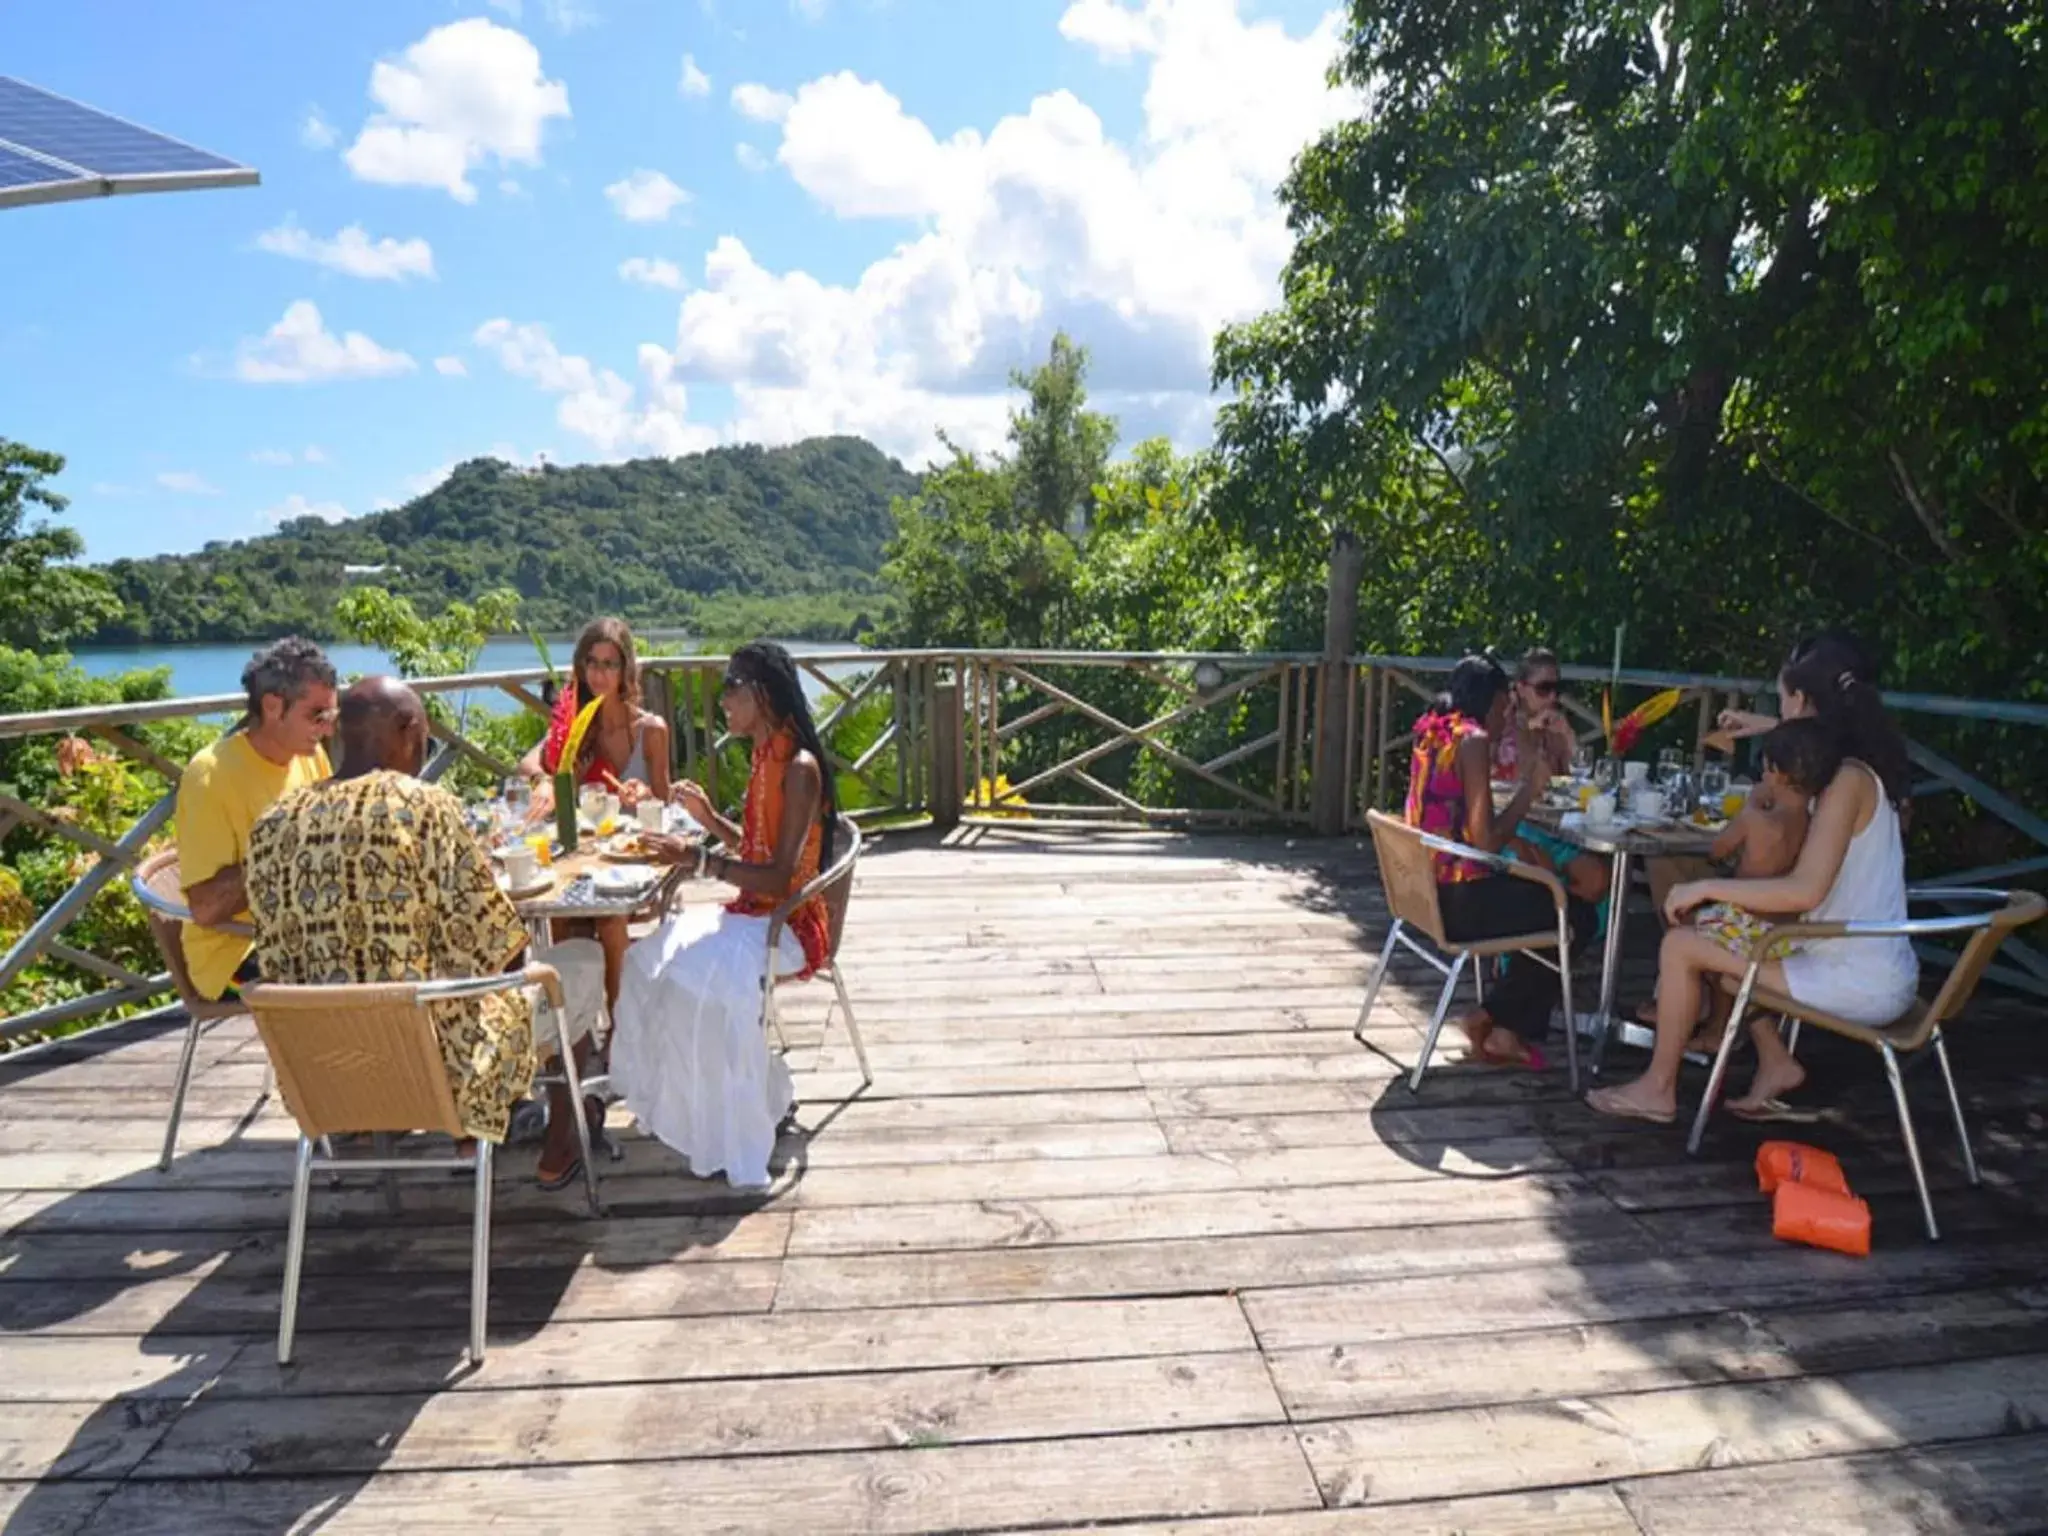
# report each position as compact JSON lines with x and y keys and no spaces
{"x":1623,"y":841}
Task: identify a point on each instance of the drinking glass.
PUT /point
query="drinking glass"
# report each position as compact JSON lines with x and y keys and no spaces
{"x":1670,"y":763}
{"x":1736,"y":798}
{"x":1606,"y":774}
{"x":1714,"y":785}
{"x":1582,"y":760}
{"x":517,"y":797}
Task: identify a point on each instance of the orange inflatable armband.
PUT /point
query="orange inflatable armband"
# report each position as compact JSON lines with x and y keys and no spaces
{"x":1822,"y":1218}
{"x":1793,"y":1162}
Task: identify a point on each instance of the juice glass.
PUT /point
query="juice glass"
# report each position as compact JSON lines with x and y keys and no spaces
{"x":542,"y":844}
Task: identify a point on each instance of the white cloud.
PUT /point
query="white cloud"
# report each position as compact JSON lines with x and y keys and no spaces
{"x":314,"y":454}
{"x":596,"y":403}
{"x":295,"y":506}
{"x":1140,"y":246}
{"x":451,"y":367}
{"x":186,"y":483}
{"x":568,"y":15}
{"x":750,"y":158}
{"x":352,"y":251}
{"x":316,"y":132}
{"x":511,"y":8}
{"x":760,"y":103}
{"x":282,"y":457}
{"x":652,"y":272}
{"x":694,"y":81}
{"x":810,"y":10}
{"x":464,"y":93}
{"x":645,"y":197}
{"x":299,"y":349}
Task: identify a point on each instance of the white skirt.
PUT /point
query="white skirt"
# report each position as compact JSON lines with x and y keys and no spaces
{"x":689,"y":1048}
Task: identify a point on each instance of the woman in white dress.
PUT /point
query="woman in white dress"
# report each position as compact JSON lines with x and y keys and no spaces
{"x":1851,"y":868}
{"x":689,"y":1053}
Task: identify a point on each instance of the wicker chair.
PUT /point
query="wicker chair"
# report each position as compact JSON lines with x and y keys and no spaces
{"x":157,"y":887}
{"x":1919,"y":1028}
{"x":367,"y":1058}
{"x":1408,"y":875}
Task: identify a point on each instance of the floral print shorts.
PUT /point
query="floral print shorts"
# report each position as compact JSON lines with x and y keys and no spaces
{"x":1736,"y":929}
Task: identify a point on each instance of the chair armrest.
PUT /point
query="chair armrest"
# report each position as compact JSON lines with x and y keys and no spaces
{"x":534,"y":974}
{"x":176,"y":911}
{"x":1912,"y":929}
{"x":1500,"y":863}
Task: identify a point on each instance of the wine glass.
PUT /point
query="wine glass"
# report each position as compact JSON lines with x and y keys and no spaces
{"x":1670,"y":764}
{"x":1606,"y":775}
{"x":517,"y":796}
{"x":1582,"y":760}
{"x":1714,"y":786}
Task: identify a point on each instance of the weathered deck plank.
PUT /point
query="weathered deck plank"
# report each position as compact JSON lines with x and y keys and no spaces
{"x":1129,"y":1229}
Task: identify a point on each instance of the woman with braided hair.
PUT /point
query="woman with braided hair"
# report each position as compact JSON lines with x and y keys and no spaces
{"x":688,"y":1051}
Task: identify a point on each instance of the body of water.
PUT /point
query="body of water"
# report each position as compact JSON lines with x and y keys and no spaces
{"x":200,"y":671}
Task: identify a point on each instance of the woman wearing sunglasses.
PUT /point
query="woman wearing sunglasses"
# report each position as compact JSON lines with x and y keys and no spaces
{"x":688,"y":1050}
{"x":1536,"y":723}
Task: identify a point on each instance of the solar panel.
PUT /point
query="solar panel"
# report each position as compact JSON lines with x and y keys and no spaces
{"x":52,"y":148}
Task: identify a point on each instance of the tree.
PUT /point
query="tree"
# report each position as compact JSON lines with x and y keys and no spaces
{"x":986,"y":552}
{"x":1060,"y":446}
{"x":1712,"y":318}
{"x":44,"y":600}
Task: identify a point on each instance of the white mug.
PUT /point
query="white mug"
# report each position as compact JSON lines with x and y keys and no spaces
{"x":522,"y":867}
{"x":1600,"y":810}
{"x":653,"y":815}
{"x":1648,"y":803}
{"x":1634,"y":773}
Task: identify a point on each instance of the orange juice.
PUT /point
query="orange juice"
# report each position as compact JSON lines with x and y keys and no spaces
{"x":1586,"y":793}
{"x":543,"y":851}
{"x":1732,"y":803}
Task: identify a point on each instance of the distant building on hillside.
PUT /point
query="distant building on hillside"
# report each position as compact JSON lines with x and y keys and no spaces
{"x":348,"y":571}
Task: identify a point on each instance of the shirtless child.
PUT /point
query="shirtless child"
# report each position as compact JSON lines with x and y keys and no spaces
{"x":1800,"y":759}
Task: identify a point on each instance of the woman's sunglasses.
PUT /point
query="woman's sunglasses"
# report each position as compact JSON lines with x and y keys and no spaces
{"x":1543,"y":690}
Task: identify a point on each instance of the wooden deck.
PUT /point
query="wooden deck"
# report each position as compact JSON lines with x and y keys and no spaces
{"x":1129,"y":1232}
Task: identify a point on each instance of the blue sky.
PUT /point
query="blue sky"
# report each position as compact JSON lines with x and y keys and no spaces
{"x":530,"y":226}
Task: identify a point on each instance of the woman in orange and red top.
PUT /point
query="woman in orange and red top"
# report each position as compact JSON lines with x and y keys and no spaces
{"x":1450,"y":794}
{"x":688,"y":1050}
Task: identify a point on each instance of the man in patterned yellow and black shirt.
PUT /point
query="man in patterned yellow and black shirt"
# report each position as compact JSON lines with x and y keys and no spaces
{"x":375,"y":876}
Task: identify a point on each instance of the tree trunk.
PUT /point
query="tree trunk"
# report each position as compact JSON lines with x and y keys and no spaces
{"x":1334,"y":680}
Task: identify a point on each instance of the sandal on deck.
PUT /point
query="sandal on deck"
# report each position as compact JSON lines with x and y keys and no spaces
{"x":1603,"y":1101}
{"x":1778,"y":1112}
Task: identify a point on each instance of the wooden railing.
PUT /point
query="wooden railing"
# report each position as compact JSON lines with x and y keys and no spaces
{"x":1153,"y":738}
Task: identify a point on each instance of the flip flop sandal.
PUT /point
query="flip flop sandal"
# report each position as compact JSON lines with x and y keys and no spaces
{"x":1625,"y":1111}
{"x":562,"y":1180}
{"x":1778,"y":1112}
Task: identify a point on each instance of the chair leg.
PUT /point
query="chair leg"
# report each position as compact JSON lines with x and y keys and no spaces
{"x":773,"y":1010}
{"x":1719,"y":1075}
{"x":1789,"y":1027}
{"x":163,"y":1164}
{"x":1379,"y":974}
{"x":480,"y":1256}
{"x":860,"y":1051}
{"x":1436,"y":1024}
{"x":295,"y":1251}
{"x":575,"y":1085}
{"x":1479,"y":982}
{"x":1955,"y":1106}
{"x":1564,"y":988}
{"x":1891,"y":1071}
{"x":382,"y":1146}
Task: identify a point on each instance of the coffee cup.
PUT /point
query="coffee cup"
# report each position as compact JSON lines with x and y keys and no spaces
{"x":1600,"y":810}
{"x":522,"y":867}
{"x":1634,"y":773}
{"x":1648,"y":803}
{"x":653,"y":815}
{"x":611,"y":806}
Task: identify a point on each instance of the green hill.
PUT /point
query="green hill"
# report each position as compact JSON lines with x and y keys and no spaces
{"x":794,"y":531}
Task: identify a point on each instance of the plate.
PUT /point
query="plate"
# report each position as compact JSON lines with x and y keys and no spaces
{"x":542,"y":884}
{"x":624,"y":879}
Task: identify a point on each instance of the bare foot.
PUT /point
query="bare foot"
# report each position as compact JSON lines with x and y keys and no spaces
{"x":1476,"y":1026}
{"x":1769,"y":1085}
{"x":1635,"y":1101}
{"x":1706,"y":1043}
{"x":1504,"y":1048}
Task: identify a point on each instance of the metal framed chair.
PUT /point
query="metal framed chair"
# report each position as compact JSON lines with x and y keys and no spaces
{"x":367,"y":1058}
{"x":1919,"y":1028}
{"x":1408,"y":875}
{"x":156,"y":886}
{"x":835,"y":887}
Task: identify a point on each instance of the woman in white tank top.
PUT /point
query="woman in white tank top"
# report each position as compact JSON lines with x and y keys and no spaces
{"x":1852,"y":868}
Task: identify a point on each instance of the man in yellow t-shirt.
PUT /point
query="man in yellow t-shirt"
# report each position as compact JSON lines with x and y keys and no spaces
{"x":290,"y":688}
